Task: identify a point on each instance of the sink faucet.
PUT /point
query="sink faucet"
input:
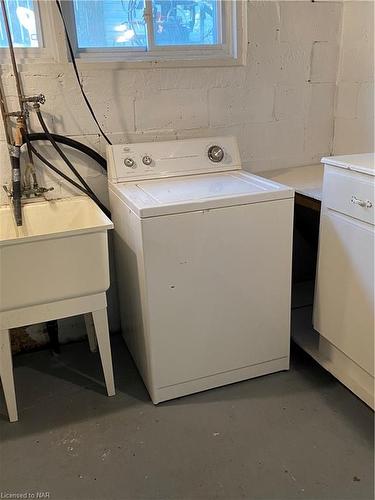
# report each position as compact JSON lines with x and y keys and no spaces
{"x":30,"y":186}
{"x":28,"y":192}
{"x":35,"y":191}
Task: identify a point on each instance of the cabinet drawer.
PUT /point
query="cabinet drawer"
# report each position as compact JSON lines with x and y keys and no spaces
{"x":350,"y":193}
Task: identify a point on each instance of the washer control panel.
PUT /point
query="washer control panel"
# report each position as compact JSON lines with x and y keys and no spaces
{"x":131,"y":162}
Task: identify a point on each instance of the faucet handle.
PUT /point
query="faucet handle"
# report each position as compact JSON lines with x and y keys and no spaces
{"x":36,"y":191}
{"x":7,"y":190}
{"x":42,"y":190}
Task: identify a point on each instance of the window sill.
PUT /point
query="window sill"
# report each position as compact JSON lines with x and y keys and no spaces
{"x":23,"y":61}
{"x":108,"y":63}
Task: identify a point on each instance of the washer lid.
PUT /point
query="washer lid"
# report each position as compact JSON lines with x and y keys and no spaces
{"x":151,"y":198}
{"x":192,"y":188}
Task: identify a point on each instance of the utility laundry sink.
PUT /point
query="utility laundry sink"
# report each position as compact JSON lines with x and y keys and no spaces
{"x":61,"y":252}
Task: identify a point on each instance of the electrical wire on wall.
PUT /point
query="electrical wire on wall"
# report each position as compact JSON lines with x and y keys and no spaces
{"x":74,"y":63}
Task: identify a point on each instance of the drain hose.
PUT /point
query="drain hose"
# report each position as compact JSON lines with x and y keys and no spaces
{"x":75,"y":145}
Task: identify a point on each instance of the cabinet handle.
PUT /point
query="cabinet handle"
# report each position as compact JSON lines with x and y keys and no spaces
{"x":361,"y":203}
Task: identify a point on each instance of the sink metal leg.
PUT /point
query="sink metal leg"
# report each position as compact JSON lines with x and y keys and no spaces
{"x":90,"y":330}
{"x":53,"y":334}
{"x":102,"y":336}
{"x":6,"y":374}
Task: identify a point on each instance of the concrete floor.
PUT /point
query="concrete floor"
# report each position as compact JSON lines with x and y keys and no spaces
{"x":292,"y":435}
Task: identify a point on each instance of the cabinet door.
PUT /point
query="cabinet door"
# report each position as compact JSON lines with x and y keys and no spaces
{"x":344,"y":300}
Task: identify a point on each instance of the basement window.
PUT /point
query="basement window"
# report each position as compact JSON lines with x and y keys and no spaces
{"x":155,"y":31}
{"x":24,"y":22}
{"x":32,"y":29}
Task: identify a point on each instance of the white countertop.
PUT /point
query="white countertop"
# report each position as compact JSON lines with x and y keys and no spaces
{"x":364,"y":163}
{"x":306,"y":180}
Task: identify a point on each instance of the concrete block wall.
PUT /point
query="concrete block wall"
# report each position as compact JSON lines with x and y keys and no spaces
{"x":354,"y":113}
{"x":279,"y":105}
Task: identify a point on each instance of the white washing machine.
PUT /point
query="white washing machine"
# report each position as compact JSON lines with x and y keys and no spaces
{"x":203,"y":257}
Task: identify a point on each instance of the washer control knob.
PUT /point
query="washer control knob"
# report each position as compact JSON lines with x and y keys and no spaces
{"x":129,"y":162}
{"x":215,"y":153}
{"x":147,"y":160}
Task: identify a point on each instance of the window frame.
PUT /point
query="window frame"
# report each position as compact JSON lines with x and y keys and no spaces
{"x":54,"y":48}
{"x":51,"y":49}
{"x":231,"y":51}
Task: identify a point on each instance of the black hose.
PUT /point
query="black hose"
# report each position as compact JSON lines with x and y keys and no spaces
{"x":72,"y":143}
{"x":16,"y":184}
{"x":67,"y":178}
{"x":67,"y":141}
{"x":63,"y":155}
{"x":56,"y":170}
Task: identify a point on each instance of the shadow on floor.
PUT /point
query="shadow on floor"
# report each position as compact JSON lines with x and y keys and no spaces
{"x":291,"y":435}
{"x":47,"y":383}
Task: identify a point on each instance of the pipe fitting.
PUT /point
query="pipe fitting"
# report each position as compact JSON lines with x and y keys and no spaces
{"x":40,"y":99}
{"x":14,"y":151}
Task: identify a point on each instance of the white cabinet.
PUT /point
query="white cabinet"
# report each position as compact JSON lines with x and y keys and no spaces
{"x":344,"y":297}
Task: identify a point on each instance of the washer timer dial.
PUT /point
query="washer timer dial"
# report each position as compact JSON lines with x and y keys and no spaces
{"x":215,"y":153}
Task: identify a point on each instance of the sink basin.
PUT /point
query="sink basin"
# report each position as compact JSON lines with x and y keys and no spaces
{"x":60,"y":252}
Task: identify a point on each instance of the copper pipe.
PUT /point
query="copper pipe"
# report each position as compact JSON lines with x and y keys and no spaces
{"x":15,"y":146}
{"x":17,"y":78}
{"x":12,"y":55}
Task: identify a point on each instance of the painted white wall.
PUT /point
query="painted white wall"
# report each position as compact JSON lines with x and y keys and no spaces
{"x":279,"y":105}
{"x":354,"y":114}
